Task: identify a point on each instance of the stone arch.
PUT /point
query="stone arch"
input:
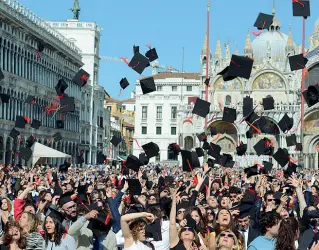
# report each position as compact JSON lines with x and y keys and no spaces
{"x":188,"y":142}
{"x":219,"y":84}
{"x":224,"y":128}
{"x":313,"y":75}
{"x":227,"y":143}
{"x":266,"y":79}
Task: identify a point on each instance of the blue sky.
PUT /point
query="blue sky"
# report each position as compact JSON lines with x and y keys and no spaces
{"x":169,"y":25}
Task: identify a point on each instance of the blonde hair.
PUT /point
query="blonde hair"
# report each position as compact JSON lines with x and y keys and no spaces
{"x":9,"y":204}
{"x":236,"y":243}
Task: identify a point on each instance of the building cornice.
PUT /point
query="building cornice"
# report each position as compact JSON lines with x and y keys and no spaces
{"x":30,"y":23}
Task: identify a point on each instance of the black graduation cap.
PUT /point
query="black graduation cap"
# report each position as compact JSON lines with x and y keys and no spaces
{"x":139,"y":62}
{"x":267,"y":167}
{"x":244,"y":210}
{"x":151,"y":54}
{"x":199,"y":152}
{"x":282,"y":157}
{"x":299,"y":146}
{"x":201,"y":108}
{"x":4,"y":98}
{"x":251,"y":171}
{"x":81,"y":78}
{"x":20,"y":122}
{"x":190,"y":222}
{"x":154,"y":230}
{"x":213,"y":131}
{"x":124,"y":83}
{"x":207,"y":80}
{"x":14,"y":133}
{"x":263,"y":147}
{"x":35,"y":124}
{"x":147,"y":85}
{"x":57,"y":137}
{"x":136,"y":49}
{"x":30,"y":99}
{"x":263,"y":21}
{"x":240,"y":66}
{"x":291,"y":140}
{"x":311,"y":95}
{"x":210,"y":163}
{"x":241,"y":149}
{"x":67,"y":104}
{"x":229,"y":115}
{"x":59,"y":124}
{"x":175,"y":148}
{"x":64,"y":167}
{"x":25,"y":153}
{"x":30,"y":141}
{"x":297,"y":62}
{"x":214,"y":150}
{"x":61,"y":87}
{"x":286,"y":123}
{"x":134,"y":186}
{"x":183,"y":204}
{"x":247,"y":106}
{"x":1,"y":75}
{"x":65,"y":198}
{"x":151,"y":149}
{"x":143,"y":159}
{"x":292,"y":168}
{"x":190,"y":160}
{"x":268,"y":103}
{"x":252,"y":117}
{"x":132,"y":162}
{"x":301,"y":8}
{"x":116,"y":140}
{"x":226,"y":161}
{"x":202,"y":137}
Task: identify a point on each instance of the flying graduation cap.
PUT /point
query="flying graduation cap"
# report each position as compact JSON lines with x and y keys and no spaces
{"x":151,"y":54}
{"x":124,"y":83}
{"x":263,"y":21}
{"x":286,"y":123}
{"x":201,"y":108}
{"x":297,"y":62}
{"x":147,"y":85}
{"x":151,"y":149}
{"x":241,"y":149}
{"x":268,"y":103}
{"x":301,"y":8}
{"x":30,"y":99}
{"x":116,"y":140}
{"x":61,"y":87}
{"x":139,"y":62}
{"x":81,"y":78}
{"x":240,"y":66}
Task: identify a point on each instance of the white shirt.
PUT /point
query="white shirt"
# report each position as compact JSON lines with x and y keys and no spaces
{"x":137,"y":245}
{"x":245,"y":234}
{"x":164,"y":243}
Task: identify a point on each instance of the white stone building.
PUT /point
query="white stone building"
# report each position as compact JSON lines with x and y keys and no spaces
{"x":21,"y":31}
{"x":86,"y":35}
{"x":271,"y":75}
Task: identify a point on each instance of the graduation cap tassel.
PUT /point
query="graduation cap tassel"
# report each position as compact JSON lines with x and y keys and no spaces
{"x":120,"y":93}
{"x":219,"y":134}
{"x":124,"y":60}
{"x":254,"y":127}
{"x":259,"y":33}
{"x":136,"y":142}
{"x":27,"y":119}
{"x":297,"y":1}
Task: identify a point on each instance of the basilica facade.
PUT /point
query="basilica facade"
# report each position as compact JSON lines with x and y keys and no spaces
{"x":271,"y":76}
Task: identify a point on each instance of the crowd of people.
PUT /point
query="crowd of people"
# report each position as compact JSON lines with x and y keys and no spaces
{"x":158,"y":207}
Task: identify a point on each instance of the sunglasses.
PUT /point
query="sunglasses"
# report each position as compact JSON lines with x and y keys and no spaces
{"x":226,"y":235}
{"x":271,"y":199}
{"x":209,"y":213}
{"x":189,"y":229}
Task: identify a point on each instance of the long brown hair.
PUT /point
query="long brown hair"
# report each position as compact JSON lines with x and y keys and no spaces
{"x":135,"y":227}
{"x":22,"y":242}
{"x":8,"y":202}
{"x":288,"y":231}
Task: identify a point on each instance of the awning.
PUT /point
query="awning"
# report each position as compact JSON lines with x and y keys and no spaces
{"x":122,"y":157}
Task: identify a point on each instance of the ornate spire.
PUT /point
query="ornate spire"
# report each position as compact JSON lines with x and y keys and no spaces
{"x":248,"y":49}
{"x":290,"y":42}
{"x":227,"y":51}
{"x":218,"y":51}
{"x":76,"y":10}
{"x":273,"y":7}
{"x":237,"y":52}
{"x":204,"y":49}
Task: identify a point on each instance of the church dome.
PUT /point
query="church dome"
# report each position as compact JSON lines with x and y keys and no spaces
{"x":272,"y":41}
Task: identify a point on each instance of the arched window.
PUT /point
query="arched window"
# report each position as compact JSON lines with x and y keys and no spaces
{"x":188,"y":143}
{"x":228,"y":100}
